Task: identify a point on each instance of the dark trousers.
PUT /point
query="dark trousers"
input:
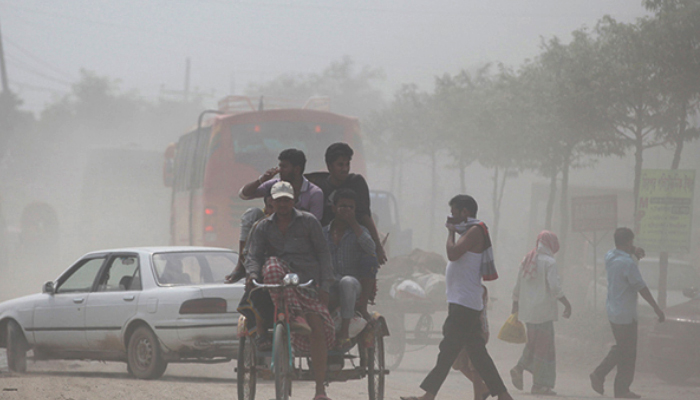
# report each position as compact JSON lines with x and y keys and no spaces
{"x":622,"y":355}
{"x":462,"y":329}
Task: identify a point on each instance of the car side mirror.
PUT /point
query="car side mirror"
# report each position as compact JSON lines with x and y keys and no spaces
{"x":691,"y":292}
{"x":49,"y":288}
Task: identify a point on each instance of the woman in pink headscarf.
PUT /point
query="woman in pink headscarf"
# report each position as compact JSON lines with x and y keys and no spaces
{"x":535,"y":300}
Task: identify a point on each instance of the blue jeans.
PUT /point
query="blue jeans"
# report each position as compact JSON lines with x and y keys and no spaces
{"x":347,"y":291}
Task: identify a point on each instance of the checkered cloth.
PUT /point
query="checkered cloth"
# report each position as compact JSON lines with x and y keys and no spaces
{"x":299,"y":302}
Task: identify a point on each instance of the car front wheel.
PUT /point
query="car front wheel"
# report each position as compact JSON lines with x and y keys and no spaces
{"x":143,"y":355}
{"x":16,"y":348}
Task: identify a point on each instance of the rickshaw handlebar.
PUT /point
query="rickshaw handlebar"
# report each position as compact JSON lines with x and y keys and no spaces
{"x":280,"y":285}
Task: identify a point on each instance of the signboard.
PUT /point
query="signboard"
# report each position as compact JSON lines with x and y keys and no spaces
{"x":665,"y":210}
{"x":594,"y":213}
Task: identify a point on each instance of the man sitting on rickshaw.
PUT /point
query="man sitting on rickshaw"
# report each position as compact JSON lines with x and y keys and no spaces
{"x":354,"y":262}
{"x":292,"y":241}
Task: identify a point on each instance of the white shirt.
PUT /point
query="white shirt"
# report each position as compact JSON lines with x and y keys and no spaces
{"x":463,"y":279}
{"x":537,"y":295}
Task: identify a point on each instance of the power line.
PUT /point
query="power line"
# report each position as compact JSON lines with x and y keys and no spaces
{"x":36,"y":88}
{"x":28,"y":68}
{"x":434,"y":10}
{"x":38,"y":60}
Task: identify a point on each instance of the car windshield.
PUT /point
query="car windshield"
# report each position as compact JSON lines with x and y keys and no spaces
{"x":680,"y":275}
{"x":193,"y":268}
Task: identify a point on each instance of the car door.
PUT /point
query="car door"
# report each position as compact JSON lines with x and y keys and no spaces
{"x":113,"y":302}
{"x":59,"y":319}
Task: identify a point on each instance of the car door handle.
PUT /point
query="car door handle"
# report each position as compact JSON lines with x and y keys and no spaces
{"x":78,"y":300}
{"x":129,"y":298}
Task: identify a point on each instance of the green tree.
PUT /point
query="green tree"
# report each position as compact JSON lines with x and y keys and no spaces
{"x":503,"y":145}
{"x":675,"y":44}
{"x":410,"y":123}
{"x":456,"y":103}
{"x":568,"y":115}
{"x":635,"y":103}
{"x":480,"y":119}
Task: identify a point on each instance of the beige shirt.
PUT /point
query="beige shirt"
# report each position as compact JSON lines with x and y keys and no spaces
{"x":537,"y":295}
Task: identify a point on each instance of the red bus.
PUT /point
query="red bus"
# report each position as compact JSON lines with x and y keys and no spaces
{"x":208,"y":165}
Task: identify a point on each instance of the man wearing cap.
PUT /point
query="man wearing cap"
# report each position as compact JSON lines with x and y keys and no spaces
{"x":307,"y":196}
{"x":291,"y":240}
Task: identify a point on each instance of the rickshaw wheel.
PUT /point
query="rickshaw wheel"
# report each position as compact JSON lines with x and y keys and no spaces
{"x":375,"y":367}
{"x":280,"y":358}
{"x":396,"y":342}
{"x":246,"y":372}
{"x":423,"y":327}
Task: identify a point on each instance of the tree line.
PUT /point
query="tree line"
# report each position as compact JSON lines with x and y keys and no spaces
{"x":612,"y":89}
{"x":615,"y":88}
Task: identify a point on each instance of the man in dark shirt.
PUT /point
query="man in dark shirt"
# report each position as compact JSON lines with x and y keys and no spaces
{"x":292,"y":241}
{"x":349,"y":243}
{"x":338,"y":157}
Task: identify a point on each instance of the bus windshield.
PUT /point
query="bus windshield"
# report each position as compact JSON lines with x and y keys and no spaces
{"x":259,"y":144}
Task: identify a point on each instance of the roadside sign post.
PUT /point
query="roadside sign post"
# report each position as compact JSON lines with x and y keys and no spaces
{"x":664,"y":216}
{"x":593,"y":214}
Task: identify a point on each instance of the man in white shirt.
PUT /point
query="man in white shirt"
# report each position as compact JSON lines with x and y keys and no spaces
{"x":463,"y":326}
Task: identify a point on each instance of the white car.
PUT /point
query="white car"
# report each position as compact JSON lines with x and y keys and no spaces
{"x":144,"y":306}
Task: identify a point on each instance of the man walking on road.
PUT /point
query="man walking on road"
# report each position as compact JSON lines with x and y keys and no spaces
{"x":471,"y":258}
{"x":624,"y":282}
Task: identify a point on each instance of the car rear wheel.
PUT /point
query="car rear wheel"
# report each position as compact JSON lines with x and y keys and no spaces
{"x":16,"y":348}
{"x":143,"y":355}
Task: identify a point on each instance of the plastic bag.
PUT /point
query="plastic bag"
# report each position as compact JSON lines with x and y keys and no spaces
{"x":407,"y":289}
{"x":513,"y":331}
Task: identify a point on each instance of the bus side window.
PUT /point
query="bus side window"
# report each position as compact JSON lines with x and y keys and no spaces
{"x":191,"y":160}
{"x":200,"y":158}
{"x":184,"y":164}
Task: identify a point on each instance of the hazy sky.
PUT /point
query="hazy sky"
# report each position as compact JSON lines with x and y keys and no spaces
{"x":144,"y":43}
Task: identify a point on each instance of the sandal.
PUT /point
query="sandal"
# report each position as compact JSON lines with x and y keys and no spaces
{"x":516,"y":375}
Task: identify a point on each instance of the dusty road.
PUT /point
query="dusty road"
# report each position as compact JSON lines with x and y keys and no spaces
{"x":78,"y":380}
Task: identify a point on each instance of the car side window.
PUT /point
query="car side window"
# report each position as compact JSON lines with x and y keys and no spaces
{"x":121,"y":274}
{"x":193,"y":268}
{"x":80,"y":279}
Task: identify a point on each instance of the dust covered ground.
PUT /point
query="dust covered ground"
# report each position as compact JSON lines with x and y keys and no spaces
{"x":82,"y":380}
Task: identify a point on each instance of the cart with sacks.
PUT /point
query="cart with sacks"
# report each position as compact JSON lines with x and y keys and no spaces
{"x":411,"y":291}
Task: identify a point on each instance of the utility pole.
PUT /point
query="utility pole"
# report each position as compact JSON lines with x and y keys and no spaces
{"x":3,"y":70}
{"x":186,"y":92}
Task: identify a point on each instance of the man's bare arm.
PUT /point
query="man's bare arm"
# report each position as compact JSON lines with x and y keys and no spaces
{"x":472,"y":241}
{"x":248,"y":191}
{"x":646,"y":294}
{"x":368,"y":222}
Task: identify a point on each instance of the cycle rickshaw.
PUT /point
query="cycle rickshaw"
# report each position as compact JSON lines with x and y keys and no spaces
{"x":366,"y":357}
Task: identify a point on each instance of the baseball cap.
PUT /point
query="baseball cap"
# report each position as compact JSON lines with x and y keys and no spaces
{"x":282,"y":189}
